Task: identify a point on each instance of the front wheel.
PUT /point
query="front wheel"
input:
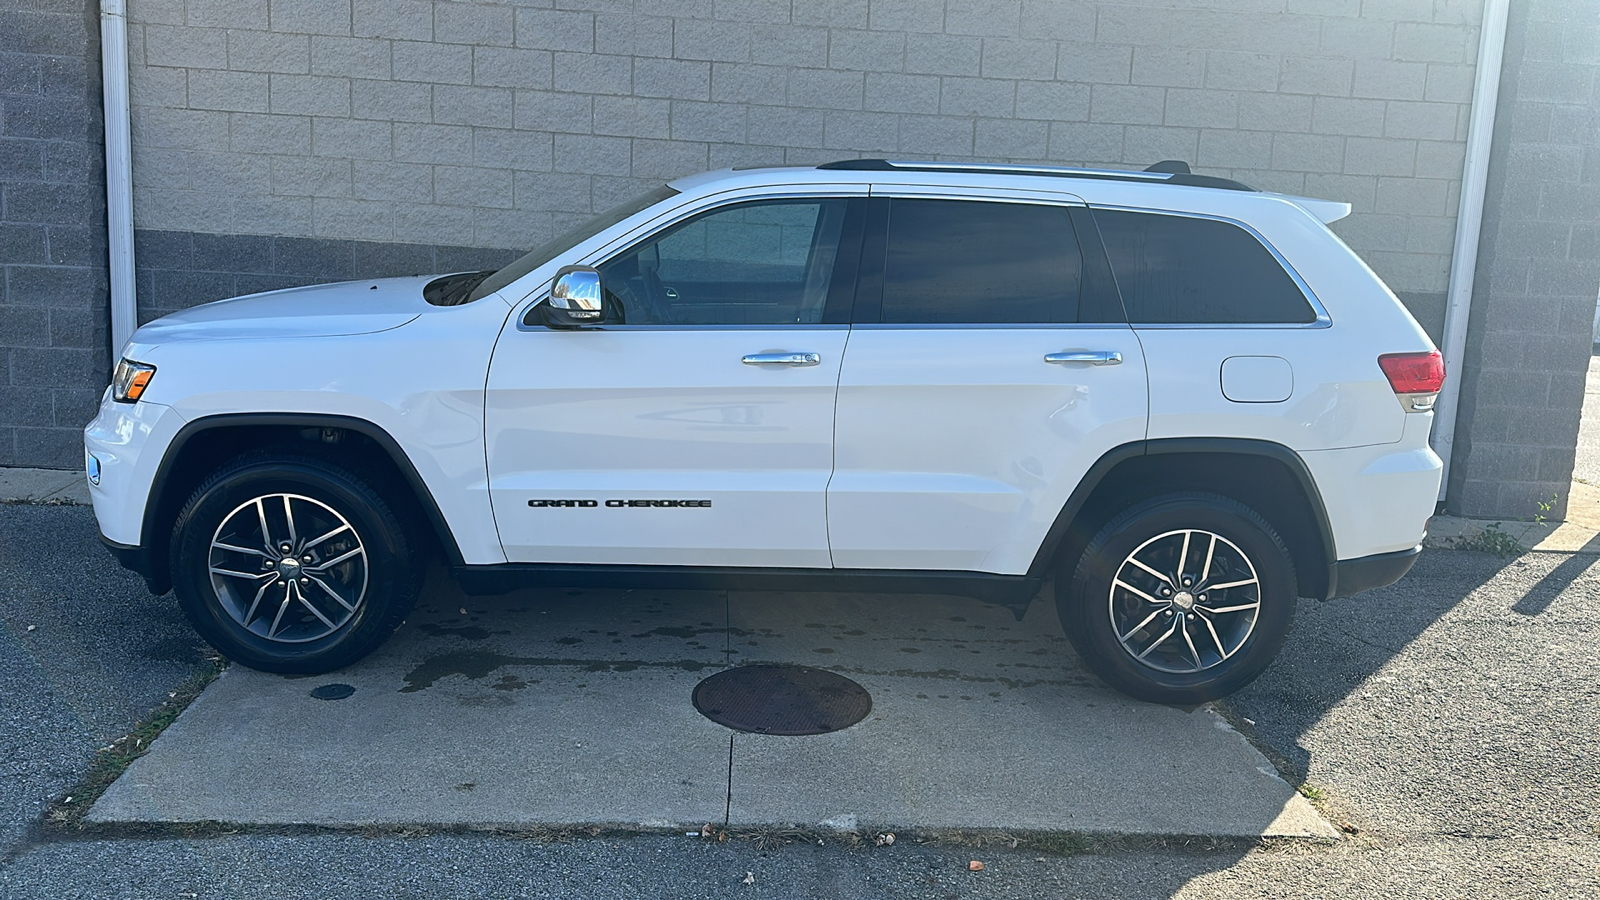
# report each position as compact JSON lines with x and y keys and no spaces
{"x":1180,"y":599}
{"x":290,"y":563}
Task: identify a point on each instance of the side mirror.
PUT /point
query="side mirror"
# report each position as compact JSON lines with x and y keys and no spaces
{"x":576,"y":299}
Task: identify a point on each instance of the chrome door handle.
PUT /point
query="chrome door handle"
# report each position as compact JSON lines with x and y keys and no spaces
{"x":781,"y":359}
{"x":1093,"y":357}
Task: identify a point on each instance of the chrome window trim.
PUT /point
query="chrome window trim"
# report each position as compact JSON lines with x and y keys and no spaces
{"x":522,"y":325}
{"x":1322,"y":320}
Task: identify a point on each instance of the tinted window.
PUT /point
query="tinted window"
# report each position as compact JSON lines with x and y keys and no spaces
{"x":1183,"y":270}
{"x":960,"y":261}
{"x":764,"y":263}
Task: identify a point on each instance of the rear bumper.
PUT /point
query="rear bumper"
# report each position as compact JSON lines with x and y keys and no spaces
{"x":1352,"y":576}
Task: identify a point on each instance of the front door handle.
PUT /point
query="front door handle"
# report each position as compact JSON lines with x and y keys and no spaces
{"x":1093,"y":357}
{"x":781,"y":358}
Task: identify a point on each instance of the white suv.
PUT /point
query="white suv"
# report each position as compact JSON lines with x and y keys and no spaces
{"x":1186,"y":400}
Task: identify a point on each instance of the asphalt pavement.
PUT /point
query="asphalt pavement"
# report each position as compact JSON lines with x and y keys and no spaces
{"x":1447,"y":721}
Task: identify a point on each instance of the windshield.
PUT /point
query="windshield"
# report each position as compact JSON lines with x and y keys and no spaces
{"x":547,"y":251}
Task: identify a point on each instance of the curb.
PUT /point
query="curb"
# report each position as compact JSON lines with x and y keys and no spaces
{"x":63,"y":487}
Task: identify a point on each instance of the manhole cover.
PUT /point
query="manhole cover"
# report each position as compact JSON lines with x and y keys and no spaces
{"x":782,"y":700}
{"x":333,"y":691}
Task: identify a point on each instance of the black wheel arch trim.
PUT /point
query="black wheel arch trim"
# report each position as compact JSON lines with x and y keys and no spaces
{"x":1045,"y":557}
{"x":1352,"y":576}
{"x":153,"y":572}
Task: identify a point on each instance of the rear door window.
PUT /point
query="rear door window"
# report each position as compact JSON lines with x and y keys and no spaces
{"x":977,"y":262}
{"x":1183,"y":270}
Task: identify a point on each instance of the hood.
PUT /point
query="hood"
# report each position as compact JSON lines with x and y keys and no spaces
{"x":322,"y":310}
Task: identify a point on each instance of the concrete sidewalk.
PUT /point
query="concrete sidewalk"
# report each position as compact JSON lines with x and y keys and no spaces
{"x":43,"y":486}
{"x":557,"y":707}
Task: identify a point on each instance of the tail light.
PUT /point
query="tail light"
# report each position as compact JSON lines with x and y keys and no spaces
{"x":1415,"y":377}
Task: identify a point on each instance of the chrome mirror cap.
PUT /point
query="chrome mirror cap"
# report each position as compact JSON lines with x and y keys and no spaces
{"x":576,"y":298}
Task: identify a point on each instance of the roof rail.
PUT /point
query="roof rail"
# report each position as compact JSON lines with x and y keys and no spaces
{"x":1169,"y":171}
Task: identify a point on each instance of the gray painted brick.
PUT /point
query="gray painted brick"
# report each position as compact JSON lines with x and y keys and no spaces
{"x":1357,"y":38}
{"x":391,"y":101}
{"x":1338,"y":115}
{"x":1380,"y":156}
{"x":313,"y":16}
{"x":860,"y":131}
{"x":1225,"y":149}
{"x":474,"y":24}
{"x":428,"y":223}
{"x":1094,"y":63}
{"x":989,"y":18}
{"x":784,"y":127}
{"x":55,"y":286}
{"x":594,"y":74}
{"x":310,"y":176}
{"x":1440,"y":159}
{"x":518,"y":150}
{"x":505,"y":67}
{"x":906,"y":15}
{"x":747,"y":83}
{"x":867,"y":51}
{"x":672,"y":78}
{"x":1169,"y":67}
{"x":545,"y":29}
{"x":633,"y":116}
{"x":210,"y":14}
{"x":666,"y":159}
{"x":435,"y":63}
{"x":310,"y":95}
{"x":1051,"y":100}
{"x":1414,"y":196}
{"x":269,"y":134}
{"x":1275,"y":112}
{"x":938,"y":136}
{"x":22,"y":159}
{"x":1389,"y":80}
{"x":486,"y":106}
{"x":352,"y":138}
{"x":977,"y":97}
{"x":1234,"y":70}
{"x":1012,"y":139}
{"x":712,"y":122}
{"x":471,"y":186}
{"x":265,"y":51}
{"x":638,"y":35}
{"x":1027,"y":59}
{"x":1155,"y":142}
{"x":1316,"y":75}
{"x":1428,"y":121}
{"x":788,"y":45}
{"x":943,"y":54}
{"x":753,"y":10}
{"x":557,"y":111}
{"x":1127,"y":104}
{"x":23,"y":244}
{"x":822,"y":88}
{"x":831,"y":13}
{"x":1058,"y":20}
{"x":1130,"y":25}
{"x":1202,"y":109}
{"x":709,"y":40}
{"x":431,"y":143}
{"x":1081,"y":143}
{"x":352,"y":57}
{"x":553,"y":192}
{"x":410,"y":20}
{"x":231,"y":252}
{"x":204,"y":48}
{"x":591,"y":154}
{"x":1428,"y":42}
{"x":229,"y":91}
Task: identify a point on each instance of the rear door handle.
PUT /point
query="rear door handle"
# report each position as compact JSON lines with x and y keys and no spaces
{"x":1093,"y":357}
{"x":781,"y":358}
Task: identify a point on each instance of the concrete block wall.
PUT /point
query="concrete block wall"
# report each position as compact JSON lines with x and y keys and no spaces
{"x":54,"y":316}
{"x":496,"y":124}
{"x":1538,"y":270}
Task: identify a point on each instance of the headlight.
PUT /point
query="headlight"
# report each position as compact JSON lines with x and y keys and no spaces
{"x":130,"y":380}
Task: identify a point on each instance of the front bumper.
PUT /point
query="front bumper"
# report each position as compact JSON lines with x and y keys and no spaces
{"x":1352,"y":576}
{"x":137,"y":559}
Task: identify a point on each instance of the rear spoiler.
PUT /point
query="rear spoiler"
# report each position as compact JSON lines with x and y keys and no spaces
{"x":1326,"y":210}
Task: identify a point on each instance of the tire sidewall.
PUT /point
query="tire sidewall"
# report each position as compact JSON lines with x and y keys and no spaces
{"x":389,"y":565}
{"x":1084,"y":612}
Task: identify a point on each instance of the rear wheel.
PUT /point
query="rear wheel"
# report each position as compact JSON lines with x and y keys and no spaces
{"x":1180,"y":599}
{"x":291,"y":563}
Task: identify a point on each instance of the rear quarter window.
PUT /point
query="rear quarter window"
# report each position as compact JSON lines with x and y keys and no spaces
{"x":1183,"y":270}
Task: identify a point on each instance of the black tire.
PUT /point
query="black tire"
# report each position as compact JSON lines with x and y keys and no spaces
{"x":1228,"y":643}
{"x":349,"y":591}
